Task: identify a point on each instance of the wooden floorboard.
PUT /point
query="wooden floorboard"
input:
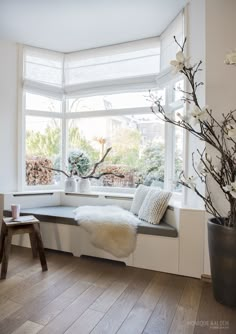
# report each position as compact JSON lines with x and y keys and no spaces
{"x":28,"y":327}
{"x":118,"y":312}
{"x":214,"y":317}
{"x":87,"y":295}
{"x":86,"y":322}
{"x":164,"y":312}
{"x":186,"y":312}
{"x":142,"y":310}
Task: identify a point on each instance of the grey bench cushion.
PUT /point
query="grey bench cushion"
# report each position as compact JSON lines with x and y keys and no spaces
{"x":162,"y":229}
{"x":65,"y":215}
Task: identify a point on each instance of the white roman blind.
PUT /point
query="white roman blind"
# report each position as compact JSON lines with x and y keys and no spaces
{"x":120,"y":64}
{"x":167,"y":44}
{"x":43,"y":67}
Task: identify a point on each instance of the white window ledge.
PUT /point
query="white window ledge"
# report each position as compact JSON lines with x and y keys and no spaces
{"x":175,"y":202}
{"x":103,"y":194}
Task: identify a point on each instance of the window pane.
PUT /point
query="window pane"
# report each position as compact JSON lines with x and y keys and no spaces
{"x":178,"y":163}
{"x":42,"y":103}
{"x":114,"y":101}
{"x":138,"y":150}
{"x":43,"y":148}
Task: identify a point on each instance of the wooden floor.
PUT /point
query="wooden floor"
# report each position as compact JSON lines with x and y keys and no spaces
{"x":84,"y":295}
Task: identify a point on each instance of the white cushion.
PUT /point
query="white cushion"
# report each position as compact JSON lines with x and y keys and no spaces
{"x":154,"y":206}
{"x":139,"y":197}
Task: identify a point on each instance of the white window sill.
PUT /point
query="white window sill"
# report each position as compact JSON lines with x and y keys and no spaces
{"x":103,"y":194}
{"x":175,"y":202}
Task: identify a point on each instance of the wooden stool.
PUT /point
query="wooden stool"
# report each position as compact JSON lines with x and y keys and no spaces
{"x":11,"y":227}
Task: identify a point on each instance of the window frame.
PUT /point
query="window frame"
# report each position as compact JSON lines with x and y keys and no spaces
{"x":170,"y":106}
{"x":163,"y":80}
{"x":45,"y":114}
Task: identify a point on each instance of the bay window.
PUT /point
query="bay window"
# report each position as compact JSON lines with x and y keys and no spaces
{"x":95,"y":99}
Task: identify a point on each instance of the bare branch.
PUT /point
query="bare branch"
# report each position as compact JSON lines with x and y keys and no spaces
{"x":91,"y":173}
{"x":57,"y":170}
{"x":102,"y":174}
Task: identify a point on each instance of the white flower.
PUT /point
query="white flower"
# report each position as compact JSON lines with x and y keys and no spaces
{"x":198,"y":114}
{"x":230,"y":58}
{"x":179,"y":62}
{"x":189,"y":181}
{"x":231,"y":188}
{"x":232,"y":133}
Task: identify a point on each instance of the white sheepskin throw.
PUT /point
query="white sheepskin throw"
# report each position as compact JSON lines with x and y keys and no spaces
{"x":110,"y":228}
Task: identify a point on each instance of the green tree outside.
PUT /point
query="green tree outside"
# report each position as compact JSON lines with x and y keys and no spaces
{"x":43,"y":145}
{"x":76,"y":141}
{"x":152,"y":162}
{"x":125,"y":148}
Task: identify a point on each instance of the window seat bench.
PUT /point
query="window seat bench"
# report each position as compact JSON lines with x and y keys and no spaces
{"x":156,"y":247}
{"x":64,"y":215}
{"x":175,"y":246}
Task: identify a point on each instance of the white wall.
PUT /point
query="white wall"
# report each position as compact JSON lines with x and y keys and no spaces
{"x":220,"y":79}
{"x":8,"y":116}
{"x":212,"y":27}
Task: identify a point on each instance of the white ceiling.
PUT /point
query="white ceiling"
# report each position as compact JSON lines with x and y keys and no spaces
{"x":70,"y":25}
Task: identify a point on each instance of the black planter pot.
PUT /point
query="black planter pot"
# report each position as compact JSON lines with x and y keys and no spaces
{"x":222,"y":251}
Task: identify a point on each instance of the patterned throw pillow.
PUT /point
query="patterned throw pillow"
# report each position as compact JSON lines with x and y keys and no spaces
{"x":154,"y":206}
{"x":139,"y":197}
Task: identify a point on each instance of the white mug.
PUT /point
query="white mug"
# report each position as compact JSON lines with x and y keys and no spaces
{"x":15,"y":209}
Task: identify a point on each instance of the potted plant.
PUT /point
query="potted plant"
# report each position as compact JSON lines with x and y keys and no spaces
{"x":221,"y":136}
{"x":79,"y":162}
{"x":78,"y":165}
